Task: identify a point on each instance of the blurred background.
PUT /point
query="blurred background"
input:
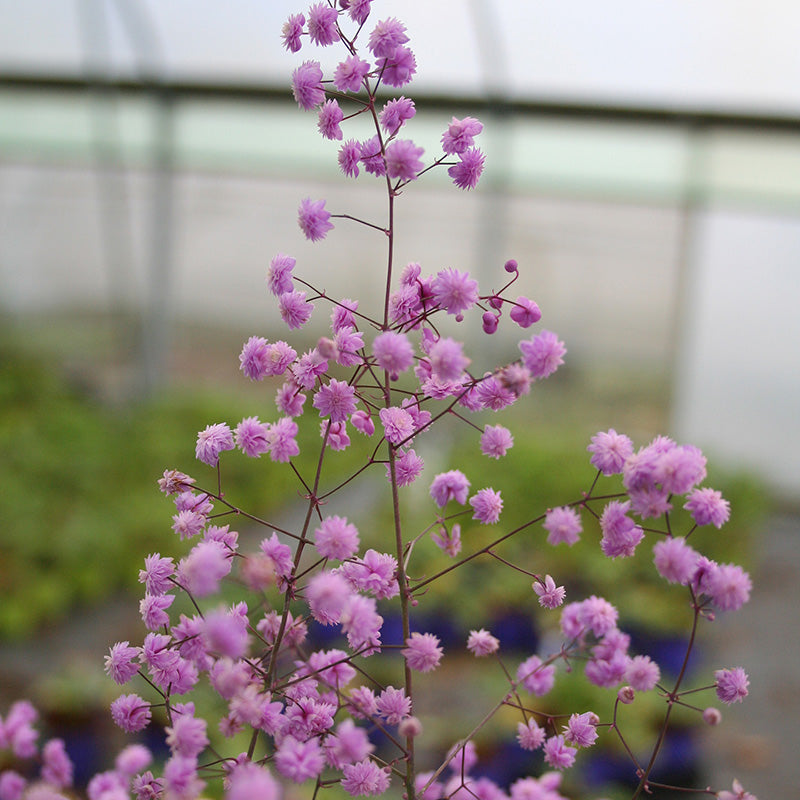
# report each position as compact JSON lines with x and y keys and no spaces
{"x":643,"y":167}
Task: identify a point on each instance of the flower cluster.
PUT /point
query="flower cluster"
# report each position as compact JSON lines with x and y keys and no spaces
{"x":322,"y":713}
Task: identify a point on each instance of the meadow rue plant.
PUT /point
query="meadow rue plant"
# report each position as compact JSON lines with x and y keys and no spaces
{"x":285,"y":709}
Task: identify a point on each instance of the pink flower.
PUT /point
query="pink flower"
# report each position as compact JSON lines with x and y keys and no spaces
{"x":534,"y":676}
{"x":358,"y":10}
{"x":543,"y":354}
{"x":292,"y":30}
{"x":313,"y":219}
{"x":407,"y":466}
{"x":675,"y":560}
{"x":393,"y":352}
{"x":467,"y":172}
{"x":364,"y":778}
{"x":335,"y":400}
{"x":403,"y":160}
{"x":119,"y":663}
{"x":251,"y":437}
{"x":452,"y":485}
{"x":56,"y":764}
{"x":299,"y":761}
{"x":322,"y":24}
{"x":248,"y":781}
{"x":422,"y":652}
{"x":731,"y":685}
{"x":487,"y":505}
{"x":362,"y":422}
{"x":558,"y":754}
{"x":187,"y":735}
{"x":307,"y":85}
{"x":738,"y":793}
{"x":395,"y":113}
{"x":563,"y":524}
{"x":282,"y":445}
{"x":642,"y":673}
{"x":597,"y":614}
{"x":728,"y":586}
{"x":393,"y":705}
{"x":454,"y":291}
{"x":525,"y":312}
{"x":460,"y":134}
{"x":481,"y":643}
{"x":448,"y":361}
{"x":225,"y":633}
{"x":294,"y":309}
{"x":330,"y":115}
{"x":580,"y":730}
{"x":153,"y":610}
{"x":529,"y":735}
{"x":496,"y":441}
{"x":336,"y":538}
{"x":386,"y":37}
{"x":398,"y":424}
{"x":350,"y":73}
{"x":620,"y":534}
{"x":610,"y":450}
{"x":130,"y":712}
{"x":338,"y":438}
{"x":707,"y":507}
{"x":347,"y":745}
{"x":375,"y":574}
{"x":550,"y":595}
{"x":212,"y":441}
{"x":205,"y":566}
{"x":349,"y":156}
{"x":157,"y":573}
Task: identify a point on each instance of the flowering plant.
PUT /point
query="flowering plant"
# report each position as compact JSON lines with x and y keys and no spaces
{"x":230,"y":627}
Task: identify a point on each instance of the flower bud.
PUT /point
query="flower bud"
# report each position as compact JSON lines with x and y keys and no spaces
{"x":712,"y":716}
{"x":626,"y":695}
{"x":410,"y":727}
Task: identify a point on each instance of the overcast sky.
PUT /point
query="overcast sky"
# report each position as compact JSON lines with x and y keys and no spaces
{"x":729,"y":54}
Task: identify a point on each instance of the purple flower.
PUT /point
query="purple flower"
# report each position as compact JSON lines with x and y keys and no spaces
{"x":452,"y":485}
{"x":467,"y":172}
{"x":680,"y":469}
{"x":481,"y":643}
{"x":708,"y":507}
{"x":119,"y":663}
{"x":130,"y":712}
{"x":362,"y":422}
{"x":225,"y":633}
{"x":188,"y":524}
{"x":496,"y":441}
{"x":375,"y":574}
{"x":408,"y":467}
{"x":251,"y":437}
{"x":543,"y":354}
{"x":322,"y":24}
{"x":327,"y":594}
{"x":460,"y":135}
{"x":307,"y":85}
{"x":12,"y":785}
{"x":358,"y":10}
{"x":598,"y":615}
{"x":295,"y":311}
{"x":314,"y":219}
{"x":386,"y":37}
{"x":550,"y":595}
{"x":558,"y":754}
{"x":621,"y":535}
{"x":330,"y":115}
{"x":529,"y":735}
{"x":281,"y":440}
{"x":525,"y":312}
{"x":291,"y":32}
{"x":487,"y":505}
{"x":205,"y":566}
{"x":728,"y":586}
{"x":279,"y":278}
{"x":675,"y":560}
{"x":309,"y":367}
{"x":610,"y":450}
{"x":174,"y":482}
{"x":454,"y":291}
{"x":336,"y":400}
{"x":338,"y":438}
{"x":563,"y":524}
{"x":398,"y":424}
{"x":56,"y":764}
{"x":642,"y":673}
{"x":157,"y":573}
{"x":153,"y":609}
{"x":393,"y":352}
{"x":289,"y":399}
{"x":364,"y":778}
{"x":180,"y":778}
{"x":336,"y":538}
{"x":372,"y":157}
{"x":350,"y":73}
{"x":398,"y":69}
{"x":349,"y":156}
{"x":534,"y":676}
{"x":362,"y":624}
{"x":395,"y":113}
{"x":393,"y":705}
{"x":422,"y":652}
{"x":580,"y":730}
{"x":731,"y":685}
{"x":212,"y":441}
{"x":187,"y":735}
{"x":249,"y":781}
{"x":403,"y":160}
{"x":738,"y":793}
{"x":447,"y":358}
